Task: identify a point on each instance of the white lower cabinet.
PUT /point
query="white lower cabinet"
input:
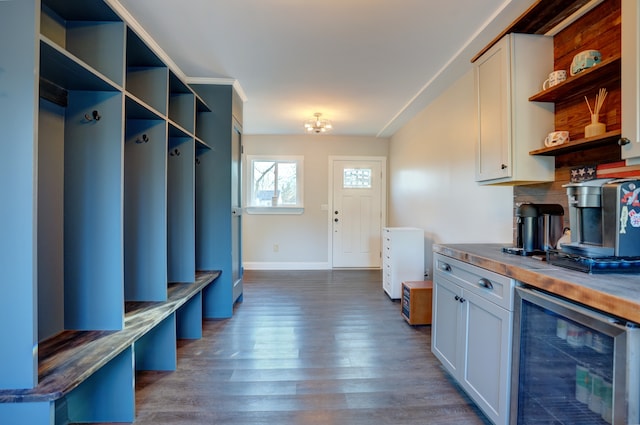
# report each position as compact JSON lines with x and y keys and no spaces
{"x":471,"y":332}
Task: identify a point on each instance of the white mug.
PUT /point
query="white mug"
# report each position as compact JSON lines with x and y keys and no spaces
{"x":556,"y":138}
{"x":555,"y":77}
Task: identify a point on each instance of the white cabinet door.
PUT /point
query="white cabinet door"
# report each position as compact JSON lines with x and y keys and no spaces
{"x":509,"y":126}
{"x":630,"y":82}
{"x":471,"y":332}
{"x":494,"y":102}
{"x":446,"y":327}
{"x":486,"y":373}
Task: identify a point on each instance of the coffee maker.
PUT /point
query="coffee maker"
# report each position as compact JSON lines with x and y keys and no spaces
{"x":604,"y":217}
{"x":585,"y":218}
{"x":539,"y":226}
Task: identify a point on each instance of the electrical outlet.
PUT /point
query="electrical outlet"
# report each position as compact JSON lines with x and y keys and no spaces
{"x":276,"y":247}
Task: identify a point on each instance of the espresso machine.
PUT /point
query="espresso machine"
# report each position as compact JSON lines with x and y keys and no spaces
{"x":604,"y":217}
{"x":539,"y":226}
{"x":585,"y":219}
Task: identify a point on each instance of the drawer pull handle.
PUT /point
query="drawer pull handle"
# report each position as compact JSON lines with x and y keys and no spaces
{"x":445,"y":267}
{"x":485,"y":283}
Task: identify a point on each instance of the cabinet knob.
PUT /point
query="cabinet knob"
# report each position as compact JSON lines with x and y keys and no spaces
{"x":503,"y":166}
{"x":462,"y":300}
{"x":445,"y":267}
{"x":457,"y":298}
{"x":623,"y":141}
{"x":485,"y":283}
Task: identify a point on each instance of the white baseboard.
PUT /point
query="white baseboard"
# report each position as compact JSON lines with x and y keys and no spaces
{"x":285,"y":266}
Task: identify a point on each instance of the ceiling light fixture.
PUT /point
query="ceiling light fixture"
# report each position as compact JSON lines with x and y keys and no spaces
{"x":317,"y":125}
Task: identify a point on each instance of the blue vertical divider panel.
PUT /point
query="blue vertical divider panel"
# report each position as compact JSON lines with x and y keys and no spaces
{"x":18,"y":103}
{"x":108,"y":395}
{"x":189,"y":318}
{"x":156,"y":350}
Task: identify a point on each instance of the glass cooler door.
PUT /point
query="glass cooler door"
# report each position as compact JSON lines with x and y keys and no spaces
{"x":570,"y":363}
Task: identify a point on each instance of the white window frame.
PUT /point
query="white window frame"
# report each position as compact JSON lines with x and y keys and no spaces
{"x":298,"y":208}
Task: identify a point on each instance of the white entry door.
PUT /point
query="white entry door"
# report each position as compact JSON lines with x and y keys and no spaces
{"x":356,"y":213}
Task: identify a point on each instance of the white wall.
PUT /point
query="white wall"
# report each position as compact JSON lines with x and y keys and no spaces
{"x":431,"y":166}
{"x":301,"y":239}
{"x":431,"y":176}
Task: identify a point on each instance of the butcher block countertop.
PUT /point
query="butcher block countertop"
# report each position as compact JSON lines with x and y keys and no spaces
{"x":615,"y":293}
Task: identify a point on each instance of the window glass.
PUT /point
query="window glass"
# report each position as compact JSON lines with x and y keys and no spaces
{"x":357,"y":178}
{"x":275,"y":182}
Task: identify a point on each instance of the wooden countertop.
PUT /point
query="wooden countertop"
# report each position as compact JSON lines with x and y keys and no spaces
{"x":617,"y":294}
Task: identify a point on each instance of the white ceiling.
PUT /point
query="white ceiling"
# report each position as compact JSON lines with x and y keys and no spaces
{"x":368,"y":65}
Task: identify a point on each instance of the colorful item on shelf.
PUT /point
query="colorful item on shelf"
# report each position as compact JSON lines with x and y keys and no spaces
{"x":585,"y":60}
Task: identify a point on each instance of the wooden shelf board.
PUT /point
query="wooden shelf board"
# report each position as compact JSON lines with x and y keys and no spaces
{"x":176,"y":130}
{"x":69,"y":72}
{"x":586,"y":82}
{"x":607,"y":138}
{"x":201,"y":146}
{"x":201,"y":105}
{"x":137,"y":109}
{"x":69,"y":358}
{"x":92,"y":10}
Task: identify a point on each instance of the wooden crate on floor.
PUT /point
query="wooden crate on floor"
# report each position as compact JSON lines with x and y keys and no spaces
{"x":416,"y":302}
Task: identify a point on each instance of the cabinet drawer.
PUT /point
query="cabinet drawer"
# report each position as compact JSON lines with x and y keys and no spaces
{"x":489,"y":285}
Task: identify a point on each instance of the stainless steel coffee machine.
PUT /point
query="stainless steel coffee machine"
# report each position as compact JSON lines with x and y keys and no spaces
{"x":539,"y":226}
{"x":604,"y":217}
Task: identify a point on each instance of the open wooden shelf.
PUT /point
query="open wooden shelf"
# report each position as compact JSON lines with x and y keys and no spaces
{"x":586,"y":82}
{"x":608,"y":138}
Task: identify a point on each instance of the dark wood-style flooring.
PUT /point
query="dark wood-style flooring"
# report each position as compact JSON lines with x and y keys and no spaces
{"x":306,"y":348}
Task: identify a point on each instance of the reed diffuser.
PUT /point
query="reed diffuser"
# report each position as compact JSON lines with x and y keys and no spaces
{"x":596,"y":127}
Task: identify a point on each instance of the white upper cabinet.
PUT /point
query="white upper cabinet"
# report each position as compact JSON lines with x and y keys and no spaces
{"x":509,"y":125}
{"x":630,"y":83}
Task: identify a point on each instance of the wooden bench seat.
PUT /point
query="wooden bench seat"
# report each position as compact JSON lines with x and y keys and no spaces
{"x":70,"y":358}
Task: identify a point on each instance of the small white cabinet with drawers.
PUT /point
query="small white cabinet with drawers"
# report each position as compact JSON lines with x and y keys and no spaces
{"x":471,"y":331}
{"x":402,"y":258}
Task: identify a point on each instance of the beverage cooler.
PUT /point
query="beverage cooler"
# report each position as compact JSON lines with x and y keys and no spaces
{"x":571,"y":364}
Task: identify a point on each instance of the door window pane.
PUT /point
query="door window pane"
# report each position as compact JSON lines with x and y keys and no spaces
{"x":357,"y":178}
